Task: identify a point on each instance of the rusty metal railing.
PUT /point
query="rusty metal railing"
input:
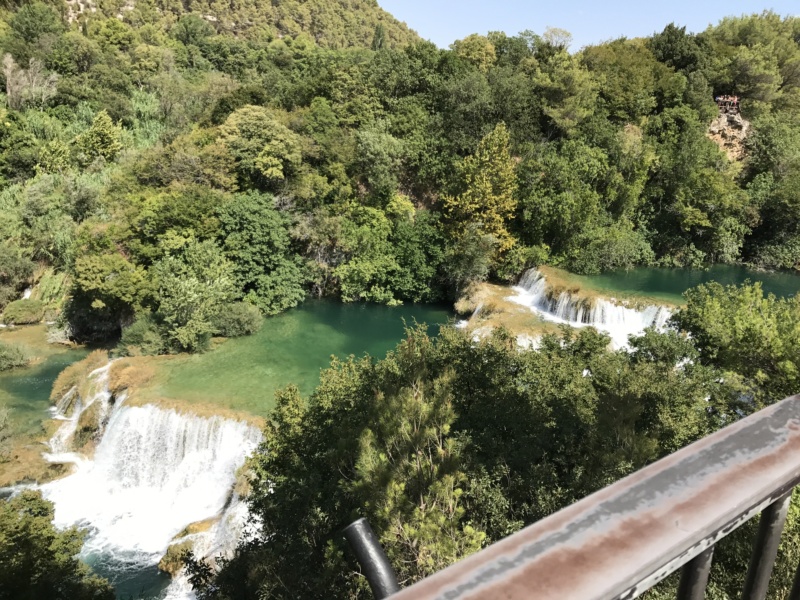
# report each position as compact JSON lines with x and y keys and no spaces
{"x":622,"y":540}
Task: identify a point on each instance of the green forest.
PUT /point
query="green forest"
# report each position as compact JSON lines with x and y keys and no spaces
{"x":174,"y":172}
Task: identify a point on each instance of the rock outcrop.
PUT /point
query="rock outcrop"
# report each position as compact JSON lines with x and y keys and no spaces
{"x":729,"y":131}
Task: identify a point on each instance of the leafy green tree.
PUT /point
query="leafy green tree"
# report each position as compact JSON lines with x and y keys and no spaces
{"x":567,"y":92}
{"x":369,"y":262}
{"x":489,"y":190}
{"x":739,"y":329}
{"x":256,"y":241}
{"x":266,"y":152}
{"x":11,"y":357}
{"x":394,"y":460}
{"x":35,"y":19}
{"x":39,"y":560}
{"x":106,"y":291}
{"x":477,"y":50}
{"x":679,"y":50}
{"x":193,"y":287}
{"x":15,"y":273}
{"x":191,"y":30}
{"x":238,"y":319}
{"x":379,"y":158}
{"x":102,"y":140}
{"x":73,"y":54}
{"x":23,"y":312}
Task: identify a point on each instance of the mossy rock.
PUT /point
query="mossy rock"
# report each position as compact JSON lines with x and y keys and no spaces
{"x":171,"y":561}
{"x":24,"y":312}
{"x":88,"y":426}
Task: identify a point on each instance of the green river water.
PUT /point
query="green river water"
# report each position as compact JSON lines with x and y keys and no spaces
{"x":291,"y":348}
{"x":669,"y":284}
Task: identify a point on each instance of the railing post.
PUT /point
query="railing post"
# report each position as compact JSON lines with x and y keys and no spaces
{"x":372,"y":558}
{"x":694,"y":577}
{"x":795,"y":593}
{"x":766,"y":548}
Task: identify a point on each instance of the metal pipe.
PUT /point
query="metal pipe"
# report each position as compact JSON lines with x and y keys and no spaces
{"x":694,"y":577}
{"x":795,"y":593}
{"x":372,"y":558}
{"x":766,"y":548}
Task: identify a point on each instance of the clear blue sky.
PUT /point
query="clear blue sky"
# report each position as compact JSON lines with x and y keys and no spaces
{"x":589,"y":21}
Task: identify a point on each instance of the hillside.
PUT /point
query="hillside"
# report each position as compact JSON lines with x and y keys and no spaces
{"x":331,"y":23}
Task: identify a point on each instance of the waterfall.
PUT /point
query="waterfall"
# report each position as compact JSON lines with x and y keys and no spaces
{"x":619,"y":322}
{"x":60,"y":444}
{"x":154,"y":472}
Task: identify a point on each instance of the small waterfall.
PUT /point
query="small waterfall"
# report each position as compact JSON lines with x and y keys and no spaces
{"x":619,"y":322}
{"x":60,"y":444}
{"x":154,"y":472}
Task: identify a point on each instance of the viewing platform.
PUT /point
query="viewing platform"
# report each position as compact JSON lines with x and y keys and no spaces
{"x":728,"y":105}
{"x":622,"y":540}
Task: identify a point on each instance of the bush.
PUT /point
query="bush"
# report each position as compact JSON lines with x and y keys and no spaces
{"x":519,"y":259}
{"x":611,"y":248}
{"x":24,"y":312}
{"x":142,"y":337}
{"x":237,"y":319}
{"x":11,"y":357}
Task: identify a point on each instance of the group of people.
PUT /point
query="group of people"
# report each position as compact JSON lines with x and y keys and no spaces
{"x":728,"y":103}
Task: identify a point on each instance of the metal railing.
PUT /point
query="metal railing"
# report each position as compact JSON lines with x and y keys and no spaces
{"x":623,"y":539}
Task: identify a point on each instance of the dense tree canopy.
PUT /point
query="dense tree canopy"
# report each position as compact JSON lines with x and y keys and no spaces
{"x":383,"y":169}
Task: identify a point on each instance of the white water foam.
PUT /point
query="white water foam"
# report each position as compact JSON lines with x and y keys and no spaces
{"x":154,"y":472}
{"x":619,"y":322}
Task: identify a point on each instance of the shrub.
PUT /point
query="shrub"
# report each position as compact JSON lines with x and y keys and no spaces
{"x":237,"y":319}
{"x":618,"y":246}
{"x":24,"y":312}
{"x":11,"y":357}
{"x":520,"y":258}
{"x":142,"y":337}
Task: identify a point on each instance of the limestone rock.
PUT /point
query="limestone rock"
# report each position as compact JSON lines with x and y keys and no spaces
{"x":729,"y":132}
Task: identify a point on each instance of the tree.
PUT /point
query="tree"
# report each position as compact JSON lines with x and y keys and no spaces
{"x":266,"y":152}
{"x":392,"y":457}
{"x":31,"y":87}
{"x":39,"y":560}
{"x":739,"y":329}
{"x":477,"y":50}
{"x":107,"y":290}
{"x":193,"y":287}
{"x":192,"y":29}
{"x":102,"y":140}
{"x":489,"y":190}
{"x":15,"y":273}
{"x":255,"y":239}
{"x":35,"y":19}
{"x":567,"y":92}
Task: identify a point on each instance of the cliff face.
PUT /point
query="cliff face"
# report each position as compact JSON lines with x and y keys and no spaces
{"x":729,"y":131}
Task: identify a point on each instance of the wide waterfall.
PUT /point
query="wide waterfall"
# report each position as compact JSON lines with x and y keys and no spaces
{"x":606,"y":315}
{"x":154,"y":471}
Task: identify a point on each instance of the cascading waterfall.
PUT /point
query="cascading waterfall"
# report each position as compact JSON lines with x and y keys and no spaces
{"x":60,"y":444}
{"x":154,"y":472}
{"x":619,"y":322}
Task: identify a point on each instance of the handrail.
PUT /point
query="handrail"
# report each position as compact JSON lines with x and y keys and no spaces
{"x":625,"y":538}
